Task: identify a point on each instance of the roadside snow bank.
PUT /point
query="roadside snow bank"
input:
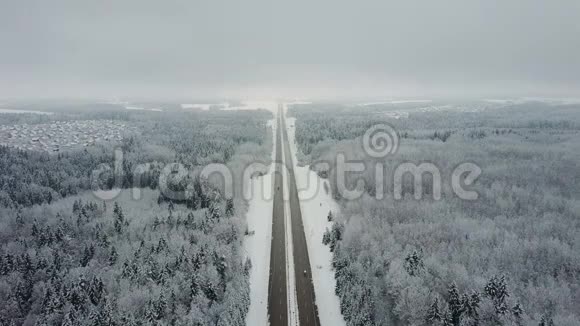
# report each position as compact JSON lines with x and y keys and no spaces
{"x":315,"y":203}
{"x":257,"y":243}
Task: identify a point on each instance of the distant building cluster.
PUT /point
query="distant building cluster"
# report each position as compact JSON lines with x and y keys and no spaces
{"x":62,"y":135}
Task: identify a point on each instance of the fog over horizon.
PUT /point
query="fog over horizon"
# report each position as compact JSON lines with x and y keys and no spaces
{"x":264,"y":49}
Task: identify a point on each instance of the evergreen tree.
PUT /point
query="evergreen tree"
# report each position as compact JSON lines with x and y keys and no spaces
{"x":76,"y":298}
{"x":161,"y":305}
{"x":113,"y":256}
{"x":496,"y":290}
{"x":229,"y":207}
{"x":214,"y":211}
{"x":247,"y":266}
{"x":70,"y":319}
{"x":26,"y":265}
{"x":471,"y":304}
{"x":413,"y":263}
{"x":52,"y":301}
{"x":23,"y":295}
{"x":119,"y":218}
{"x":19,"y":220}
{"x":3,"y":267}
{"x":76,"y":206}
{"x":190,"y":221}
{"x":96,"y":290}
{"x":56,"y":262}
{"x":87,"y":255}
{"x":517,"y":311}
{"x":221,"y":267}
{"x":192,"y":202}
{"x":210,"y":292}
{"x":332,"y":237}
{"x":433,"y":314}
{"x":546,"y":321}
{"x":35,"y":229}
{"x":194,"y":286}
{"x":455,"y":304}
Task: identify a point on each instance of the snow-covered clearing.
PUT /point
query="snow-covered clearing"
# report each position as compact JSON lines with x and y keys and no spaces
{"x":547,"y":100}
{"x":24,"y":111}
{"x":394,"y":102}
{"x":225,"y":106}
{"x":315,"y":203}
{"x":397,"y":114}
{"x":202,"y":106}
{"x":143,"y":109}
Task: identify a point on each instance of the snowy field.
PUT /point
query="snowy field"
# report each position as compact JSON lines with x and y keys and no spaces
{"x":143,"y":109}
{"x":202,"y":106}
{"x":254,"y":105}
{"x":225,"y":106}
{"x":24,"y":111}
{"x":394,"y":102}
{"x":548,"y":100}
{"x":315,"y":203}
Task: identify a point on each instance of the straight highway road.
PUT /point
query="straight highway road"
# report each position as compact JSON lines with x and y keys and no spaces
{"x":278,"y":294}
{"x":277,"y":290}
{"x":307,"y":309}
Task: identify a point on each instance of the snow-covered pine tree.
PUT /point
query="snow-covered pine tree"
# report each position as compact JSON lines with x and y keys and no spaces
{"x":194,"y":286}
{"x":96,"y":290}
{"x":455,"y":304}
{"x":119,"y":218}
{"x":496,"y":290}
{"x":113,"y":256}
{"x":433,"y":314}
{"x":229,"y":207}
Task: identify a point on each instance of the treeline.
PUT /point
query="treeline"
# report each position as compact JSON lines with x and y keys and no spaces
{"x":509,"y":258}
{"x":192,"y":139}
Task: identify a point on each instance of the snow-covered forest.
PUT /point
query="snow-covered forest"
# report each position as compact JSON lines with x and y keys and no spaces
{"x":511,"y":257}
{"x":191,"y":139}
{"x":70,"y":258}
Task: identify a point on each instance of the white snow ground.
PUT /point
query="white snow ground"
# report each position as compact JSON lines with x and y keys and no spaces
{"x":315,"y":204}
{"x":257,"y":246}
{"x":201,"y":106}
{"x":143,"y":109}
{"x":395,"y":102}
{"x":24,"y":111}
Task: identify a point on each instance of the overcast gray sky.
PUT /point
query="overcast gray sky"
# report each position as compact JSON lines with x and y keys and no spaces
{"x":290,"y":48}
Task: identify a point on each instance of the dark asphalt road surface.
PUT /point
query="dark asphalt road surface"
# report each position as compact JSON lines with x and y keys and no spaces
{"x":277,"y":296}
{"x":307,"y":309}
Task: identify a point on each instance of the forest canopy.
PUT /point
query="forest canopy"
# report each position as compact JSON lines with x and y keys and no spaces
{"x":510,"y":257}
